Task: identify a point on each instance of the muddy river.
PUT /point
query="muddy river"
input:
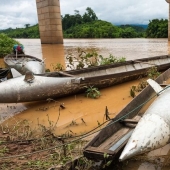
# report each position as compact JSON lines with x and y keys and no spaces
{"x":83,"y":114}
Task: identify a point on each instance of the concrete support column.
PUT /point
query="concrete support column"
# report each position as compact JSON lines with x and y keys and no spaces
{"x":49,"y":19}
{"x":168,"y":1}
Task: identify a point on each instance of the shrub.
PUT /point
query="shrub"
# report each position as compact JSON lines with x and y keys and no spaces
{"x":92,"y":92}
{"x":6,"y":45}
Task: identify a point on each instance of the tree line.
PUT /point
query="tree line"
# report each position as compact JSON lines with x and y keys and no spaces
{"x":89,"y":26}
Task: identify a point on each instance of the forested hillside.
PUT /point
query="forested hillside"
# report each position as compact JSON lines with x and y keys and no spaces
{"x":89,"y":26}
{"x":27,"y":32}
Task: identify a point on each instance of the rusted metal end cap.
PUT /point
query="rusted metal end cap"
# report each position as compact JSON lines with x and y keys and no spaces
{"x":29,"y":77}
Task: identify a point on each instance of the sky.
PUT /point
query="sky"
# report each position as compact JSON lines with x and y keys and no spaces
{"x":17,"y":13}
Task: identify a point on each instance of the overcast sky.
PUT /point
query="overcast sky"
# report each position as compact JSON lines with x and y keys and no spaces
{"x":17,"y":13}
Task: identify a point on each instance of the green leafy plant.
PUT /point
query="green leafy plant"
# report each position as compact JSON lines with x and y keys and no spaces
{"x":20,"y":139}
{"x":6,"y":44}
{"x":82,"y":59}
{"x":153,"y":72}
{"x":57,"y":67}
{"x":110,"y":60}
{"x":3,"y":150}
{"x":106,"y":162}
{"x":92,"y":92}
{"x":132,"y":91}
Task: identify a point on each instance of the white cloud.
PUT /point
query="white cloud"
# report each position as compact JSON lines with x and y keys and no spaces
{"x":18,"y":13}
{"x":121,"y":11}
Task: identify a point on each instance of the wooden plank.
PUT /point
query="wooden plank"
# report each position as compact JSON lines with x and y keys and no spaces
{"x":163,"y":61}
{"x":111,"y":147}
{"x":88,"y":74}
{"x":130,"y":68}
{"x":149,"y":63}
{"x":146,"y":65}
{"x":95,"y":149}
{"x":138,"y":66}
{"x":152,"y":63}
{"x":117,"y":145}
{"x":93,"y":73}
{"x":114,"y":138}
{"x":116,"y":70}
{"x":119,"y":134}
{"x":156,"y":62}
{"x":110,"y":136}
{"x":168,"y":60}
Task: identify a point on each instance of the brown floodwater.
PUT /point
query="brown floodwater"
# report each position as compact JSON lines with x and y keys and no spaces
{"x":83,"y":114}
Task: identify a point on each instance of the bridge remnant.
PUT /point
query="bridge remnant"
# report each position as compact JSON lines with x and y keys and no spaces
{"x":168,"y":1}
{"x":49,"y":19}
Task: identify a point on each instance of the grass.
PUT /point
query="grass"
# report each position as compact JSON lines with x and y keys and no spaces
{"x":23,"y":148}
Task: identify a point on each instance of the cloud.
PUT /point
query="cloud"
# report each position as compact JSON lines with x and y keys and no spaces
{"x":121,"y":11}
{"x":17,"y":13}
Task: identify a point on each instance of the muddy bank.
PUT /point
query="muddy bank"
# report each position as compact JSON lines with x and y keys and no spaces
{"x":80,"y":115}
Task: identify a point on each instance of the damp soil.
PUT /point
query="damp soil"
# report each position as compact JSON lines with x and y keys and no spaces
{"x":28,"y":128}
{"x":79,"y":115}
{"x":30,"y":132}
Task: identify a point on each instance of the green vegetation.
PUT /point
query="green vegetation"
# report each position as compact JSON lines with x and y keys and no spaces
{"x":57,"y":67}
{"x":82,"y":26}
{"x":89,"y":58}
{"x":22,"y":147}
{"x":89,"y":26}
{"x":157,"y":29}
{"x":106,"y":162}
{"x":92,"y":92}
{"x":69,"y":21}
{"x":27,"y":32}
{"x":111,"y":59}
{"x":94,"y":29}
{"x":6,"y":44}
{"x":86,"y":26}
{"x":151,"y":73}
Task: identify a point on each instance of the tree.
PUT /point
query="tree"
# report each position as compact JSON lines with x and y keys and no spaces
{"x":6,"y":44}
{"x":128,"y":32}
{"x":157,"y":29}
{"x":27,"y":25}
{"x":89,"y":16}
{"x":78,"y":17}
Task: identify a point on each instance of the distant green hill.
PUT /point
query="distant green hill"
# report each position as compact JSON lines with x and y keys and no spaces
{"x":82,"y":26}
{"x":143,"y":26}
{"x":89,"y":26}
{"x":103,"y":29}
{"x":29,"y":32}
{"x":134,"y":25}
{"x":93,"y":29}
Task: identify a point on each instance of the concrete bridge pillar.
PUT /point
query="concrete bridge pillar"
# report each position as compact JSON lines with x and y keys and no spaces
{"x":168,"y":1}
{"x":49,"y":19}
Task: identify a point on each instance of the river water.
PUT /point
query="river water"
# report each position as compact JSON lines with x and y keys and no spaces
{"x":83,"y":114}
{"x":128,"y":48}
